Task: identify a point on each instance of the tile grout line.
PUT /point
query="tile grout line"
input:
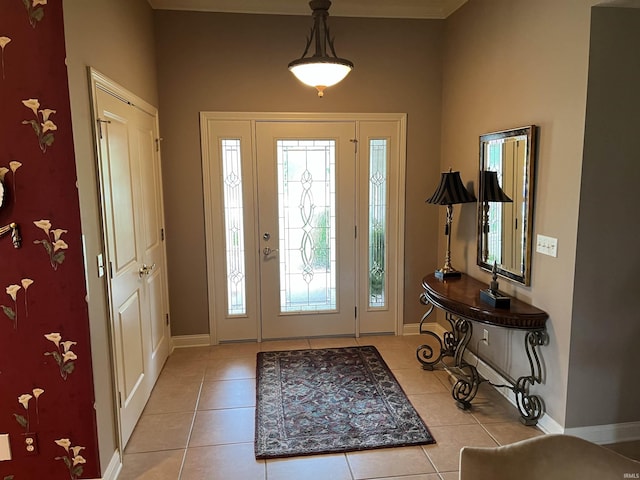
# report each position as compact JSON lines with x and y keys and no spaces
{"x":346,"y":459}
{"x":193,"y":421}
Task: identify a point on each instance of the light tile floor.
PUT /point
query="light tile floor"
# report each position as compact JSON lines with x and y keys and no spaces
{"x":199,"y":421}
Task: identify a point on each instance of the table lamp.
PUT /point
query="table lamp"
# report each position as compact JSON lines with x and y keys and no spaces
{"x":449,"y":192}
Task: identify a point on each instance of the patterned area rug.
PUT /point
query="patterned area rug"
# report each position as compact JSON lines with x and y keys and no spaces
{"x":331,"y":400}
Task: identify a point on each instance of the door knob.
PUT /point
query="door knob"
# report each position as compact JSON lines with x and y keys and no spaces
{"x":145,"y":270}
{"x":266,"y":251}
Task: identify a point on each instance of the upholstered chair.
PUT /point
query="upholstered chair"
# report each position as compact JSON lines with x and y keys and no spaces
{"x":546,"y":457}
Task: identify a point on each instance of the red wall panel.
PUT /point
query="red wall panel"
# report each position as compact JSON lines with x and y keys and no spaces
{"x":44,"y":327}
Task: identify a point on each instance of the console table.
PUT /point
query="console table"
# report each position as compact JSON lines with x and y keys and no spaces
{"x":460,"y":300}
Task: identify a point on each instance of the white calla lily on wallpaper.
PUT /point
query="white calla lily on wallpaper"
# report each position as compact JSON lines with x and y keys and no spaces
{"x":42,"y":127}
{"x":54,"y":246}
{"x":64,"y":357}
{"x":35,"y":10}
{"x":4,"y":41}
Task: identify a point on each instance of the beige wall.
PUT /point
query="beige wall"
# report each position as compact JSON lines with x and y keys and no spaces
{"x":116,"y":38}
{"x":509,"y":63}
{"x":231,"y":62}
{"x":603,"y":376}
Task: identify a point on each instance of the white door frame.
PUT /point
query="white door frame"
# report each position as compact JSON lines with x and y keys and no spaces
{"x":208,"y":178}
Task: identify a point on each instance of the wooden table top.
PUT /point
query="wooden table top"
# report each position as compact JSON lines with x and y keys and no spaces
{"x":461,"y":296}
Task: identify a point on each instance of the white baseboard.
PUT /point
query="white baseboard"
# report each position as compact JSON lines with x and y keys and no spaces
{"x":183,"y":341}
{"x":413,"y":328}
{"x":606,"y":434}
{"x":547,"y":424}
{"x":113,"y":469}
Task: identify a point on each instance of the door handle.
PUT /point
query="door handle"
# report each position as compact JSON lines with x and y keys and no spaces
{"x":145,"y":270}
{"x":266,"y":251}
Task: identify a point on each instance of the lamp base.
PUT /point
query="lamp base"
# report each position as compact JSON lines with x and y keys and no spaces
{"x":495,"y":299}
{"x":445,"y":274}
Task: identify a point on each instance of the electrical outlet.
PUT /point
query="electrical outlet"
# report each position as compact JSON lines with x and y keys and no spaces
{"x":485,"y":336}
{"x":30,"y":443}
{"x":547,"y":245}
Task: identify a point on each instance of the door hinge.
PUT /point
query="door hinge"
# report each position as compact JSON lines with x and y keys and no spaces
{"x":99,"y":122}
{"x":162,"y":234}
{"x":167,"y":317}
{"x":355,"y":144}
{"x":110,"y":269}
{"x":355,"y":231}
{"x":355,"y":312}
{"x":158,"y":140}
{"x":120,"y":399}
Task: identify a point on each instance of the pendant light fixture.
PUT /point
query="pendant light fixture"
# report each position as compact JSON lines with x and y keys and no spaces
{"x":320,"y":70}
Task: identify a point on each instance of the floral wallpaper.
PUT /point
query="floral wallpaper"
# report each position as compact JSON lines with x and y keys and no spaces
{"x":46,"y":384}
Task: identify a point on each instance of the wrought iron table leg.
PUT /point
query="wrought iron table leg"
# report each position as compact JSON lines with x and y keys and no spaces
{"x":466,"y":388}
{"x":425,"y":353}
{"x":452,"y":344}
{"x":468,"y":379}
{"x":530,"y":406}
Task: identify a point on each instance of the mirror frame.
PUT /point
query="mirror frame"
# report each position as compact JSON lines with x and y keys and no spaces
{"x":530,"y":131}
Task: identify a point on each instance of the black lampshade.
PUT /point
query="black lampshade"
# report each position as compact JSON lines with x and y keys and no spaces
{"x":451,"y":191}
{"x":490,"y":190}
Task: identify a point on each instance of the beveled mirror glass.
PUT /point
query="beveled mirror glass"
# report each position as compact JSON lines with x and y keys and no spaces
{"x":505,"y":202}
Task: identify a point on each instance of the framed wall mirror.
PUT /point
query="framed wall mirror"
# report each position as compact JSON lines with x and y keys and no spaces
{"x":505,"y":202}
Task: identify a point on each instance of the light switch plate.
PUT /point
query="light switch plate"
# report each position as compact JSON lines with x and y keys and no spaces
{"x":547,"y":245}
{"x":5,"y":448}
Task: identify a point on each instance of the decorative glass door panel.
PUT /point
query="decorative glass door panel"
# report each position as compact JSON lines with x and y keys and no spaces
{"x":233,"y":226}
{"x":377,"y":222}
{"x":306,"y":215}
{"x":306,"y":173}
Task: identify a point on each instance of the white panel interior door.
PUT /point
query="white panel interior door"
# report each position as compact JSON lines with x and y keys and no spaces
{"x":132,"y":216}
{"x":307,"y":200}
{"x":151,"y":221}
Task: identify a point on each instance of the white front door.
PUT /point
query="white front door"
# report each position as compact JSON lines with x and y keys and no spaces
{"x":133,"y":220}
{"x":303,"y":223}
{"x":306,"y":222}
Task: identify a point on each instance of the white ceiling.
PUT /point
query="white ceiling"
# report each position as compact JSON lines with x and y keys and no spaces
{"x":434,"y":9}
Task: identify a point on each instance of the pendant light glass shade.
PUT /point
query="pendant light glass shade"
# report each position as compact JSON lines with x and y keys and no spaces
{"x":320,"y":70}
{"x":320,"y":74}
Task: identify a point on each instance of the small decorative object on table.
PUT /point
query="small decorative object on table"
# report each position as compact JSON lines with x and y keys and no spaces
{"x":492,"y":295}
